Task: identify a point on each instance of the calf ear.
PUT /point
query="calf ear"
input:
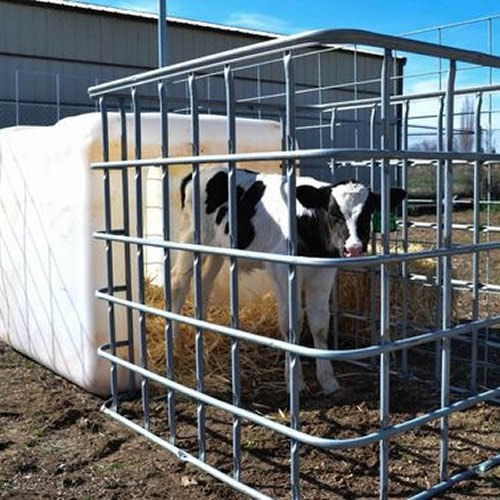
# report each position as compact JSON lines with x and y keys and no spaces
{"x":311,"y":197}
{"x":397,"y":197}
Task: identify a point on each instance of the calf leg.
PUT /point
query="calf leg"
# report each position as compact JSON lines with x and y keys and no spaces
{"x":317,"y":291}
{"x":212,"y":264}
{"x":182,"y":273}
{"x":279,"y":277}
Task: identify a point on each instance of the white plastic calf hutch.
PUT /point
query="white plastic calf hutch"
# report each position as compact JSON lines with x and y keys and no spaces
{"x":51,"y":201}
{"x":400,"y":345}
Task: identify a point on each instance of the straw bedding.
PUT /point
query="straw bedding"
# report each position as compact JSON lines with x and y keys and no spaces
{"x":261,"y":317}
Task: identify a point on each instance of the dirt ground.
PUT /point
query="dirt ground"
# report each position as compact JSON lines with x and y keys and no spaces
{"x":55,"y":443}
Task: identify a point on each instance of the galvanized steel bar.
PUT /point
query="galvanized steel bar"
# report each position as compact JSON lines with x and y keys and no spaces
{"x":292,"y":289}
{"x":461,"y":284}
{"x":167,"y":258}
{"x":140,"y":255}
{"x":404,"y":265}
{"x":197,"y":261}
{"x":126,"y":247}
{"x":289,"y":157}
{"x":304,"y":154}
{"x":483,"y":228}
{"x":162,"y":33}
{"x":342,"y":355}
{"x":476,"y":470}
{"x":294,"y":434}
{"x":373,"y":276}
{"x":320,"y":99}
{"x":303,"y":261}
{"x":184,"y":456}
{"x":489,"y":190}
{"x":447,"y":272}
{"x":439,"y":231}
{"x":475,"y":240}
{"x":300,"y":40}
{"x":334,"y":299}
{"x":233,"y":266}
{"x":400,"y":98}
{"x":109,"y":249}
{"x":385,"y":143}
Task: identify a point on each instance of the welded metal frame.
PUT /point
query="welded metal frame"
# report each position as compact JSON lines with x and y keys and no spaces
{"x":382,"y":346}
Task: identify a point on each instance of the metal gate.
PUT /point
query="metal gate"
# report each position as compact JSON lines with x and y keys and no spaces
{"x":383,"y":152}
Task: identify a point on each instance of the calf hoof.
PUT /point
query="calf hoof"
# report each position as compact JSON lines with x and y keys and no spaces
{"x":330,"y":386}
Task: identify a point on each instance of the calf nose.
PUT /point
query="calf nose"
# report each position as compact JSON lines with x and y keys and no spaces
{"x":353,"y":251}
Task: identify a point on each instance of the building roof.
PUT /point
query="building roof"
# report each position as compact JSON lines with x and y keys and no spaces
{"x":181,"y":21}
{"x":153,"y":16}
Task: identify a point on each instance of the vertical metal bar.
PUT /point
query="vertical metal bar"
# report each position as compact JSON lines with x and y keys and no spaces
{"x":109,"y":249}
{"x":167,"y":260}
{"x":162,"y":33}
{"x":283,"y":141}
{"x":140,"y":255}
{"x":356,"y":112}
{"x":259,"y":91}
{"x":292,"y":270}
{"x":209,"y":94}
{"x":334,"y":299}
{"x":233,"y":265}
{"x":198,"y":300}
{"x":475,"y":255}
{"x":126,"y":248}
{"x":439,"y":233}
{"x":96,"y":105}
{"x":447,"y":287}
{"x":333,"y":141}
{"x":373,"y":274}
{"x":440,"y":64}
{"x":320,"y":99}
{"x":396,"y":112}
{"x":404,"y":265}
{"x":488,"y":197}
{"x":385,"y":112}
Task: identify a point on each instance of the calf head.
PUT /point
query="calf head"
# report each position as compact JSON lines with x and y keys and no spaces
{"x":337,"y":222}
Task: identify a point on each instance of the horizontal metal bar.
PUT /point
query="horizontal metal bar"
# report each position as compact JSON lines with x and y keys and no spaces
{"x":311,"y":352}
{"x":338,"y":153}
{"x":399,"y":98}
{"x":476,"y":470}
{"x":300,"y":40}
{"x":358,"y":317}
{"x":185,"y":456}
{"x":451,"y":25}
{"x":295,"y":434}
{"x":457,"y":284}
{"x":419,"y":162}
{"x":459,"y":201}
{"x":484,"y":228}
{"x":341,"y":262}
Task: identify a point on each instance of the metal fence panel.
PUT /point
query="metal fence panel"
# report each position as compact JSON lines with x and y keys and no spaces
{"x":458,"y":354}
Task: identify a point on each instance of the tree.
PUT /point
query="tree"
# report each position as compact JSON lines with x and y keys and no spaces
{"x":464,"y":141}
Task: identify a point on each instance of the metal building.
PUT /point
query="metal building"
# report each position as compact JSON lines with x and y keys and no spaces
{"x":51,"y":51}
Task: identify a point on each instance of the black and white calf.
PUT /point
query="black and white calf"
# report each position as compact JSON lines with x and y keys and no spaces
{"x":332,"y":221}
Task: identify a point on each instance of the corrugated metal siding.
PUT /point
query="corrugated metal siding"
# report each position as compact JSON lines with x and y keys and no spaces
{"x":40,"y":30}
{"x":40,"y":41}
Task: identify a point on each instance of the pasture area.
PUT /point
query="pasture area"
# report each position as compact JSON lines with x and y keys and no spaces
{"x":54,"y":442}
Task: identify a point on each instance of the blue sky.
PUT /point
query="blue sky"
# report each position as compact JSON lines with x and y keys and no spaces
{"x":290,"y":16}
